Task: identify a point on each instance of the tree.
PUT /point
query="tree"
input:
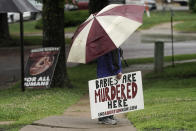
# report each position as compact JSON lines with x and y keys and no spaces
{"x":53,"y":36}
{"x":4,"y":27}
{"x":97,"y":5}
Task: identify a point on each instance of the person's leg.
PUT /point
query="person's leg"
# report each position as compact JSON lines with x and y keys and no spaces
{"x":100,"y":120}
{"x":113,"y":118}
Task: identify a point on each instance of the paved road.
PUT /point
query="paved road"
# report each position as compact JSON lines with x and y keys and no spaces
{"x":10,"y":64}
{"x":133,"y":48}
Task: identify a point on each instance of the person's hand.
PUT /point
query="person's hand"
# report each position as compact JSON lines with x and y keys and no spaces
{"x":119,"y":75}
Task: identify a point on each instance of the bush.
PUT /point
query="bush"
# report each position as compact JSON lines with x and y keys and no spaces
{"x":39,"y":24}
{"x":74,"y":18}
{"x":71,"y":18}
{"x":192,"y":5}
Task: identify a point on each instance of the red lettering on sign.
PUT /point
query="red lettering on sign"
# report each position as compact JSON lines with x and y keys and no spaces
{"x":97,"y":94}
{"x":117,"y":92}
{"x":134,"y":89}
{"x":122,"y":91}
{"x":106,"y":93}
{"x":113,"y":92}
{"x":128,"y":91}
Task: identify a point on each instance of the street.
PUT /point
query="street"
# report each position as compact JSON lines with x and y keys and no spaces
{"x":133,"y":48}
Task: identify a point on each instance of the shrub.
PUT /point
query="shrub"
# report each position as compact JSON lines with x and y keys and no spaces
{"x":71,"y":18}
{"x":39,"y":24}
{"x":192,"y":5}
{"x":74,"y":18}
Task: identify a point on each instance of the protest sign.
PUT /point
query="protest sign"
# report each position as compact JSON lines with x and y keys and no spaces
{"x":40,"y":67}
{"x":109,"y":96}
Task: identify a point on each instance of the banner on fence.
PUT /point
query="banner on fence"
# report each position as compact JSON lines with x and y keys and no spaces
{"x":109,"y":96}
{"x":40,"y":67}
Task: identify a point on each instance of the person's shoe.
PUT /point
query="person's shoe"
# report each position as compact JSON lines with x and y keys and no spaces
{"x":109,"y":121}
{"x":114,"y":118}
{"x":100,"y":120}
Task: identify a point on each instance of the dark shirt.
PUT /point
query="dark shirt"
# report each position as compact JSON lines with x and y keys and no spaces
{"x":109,"y":64}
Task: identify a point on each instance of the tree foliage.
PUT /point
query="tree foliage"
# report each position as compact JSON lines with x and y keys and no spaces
{"x":97,"y":5}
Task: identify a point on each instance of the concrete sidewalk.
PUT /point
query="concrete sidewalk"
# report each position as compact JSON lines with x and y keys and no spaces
{"x":77,"y":118}
{"x":162,"y":32}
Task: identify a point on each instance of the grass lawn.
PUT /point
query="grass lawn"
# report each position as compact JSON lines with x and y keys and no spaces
{"x":28,"y":41}
{"x":29,"y":28}
{"x":166,"y":59}
{"x":186,"y":26}
{"x":170,"y":100}
{"x":70,"y":29}
{"x":24,"y":108}
{"x":172,"y":90}
{"x":158,"y":17}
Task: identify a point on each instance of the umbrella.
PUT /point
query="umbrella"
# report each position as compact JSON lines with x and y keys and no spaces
{"x":18,"y":6}
{"x":104,"y":31}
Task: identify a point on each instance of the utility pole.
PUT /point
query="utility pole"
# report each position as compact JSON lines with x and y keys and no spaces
{"x":172,"y":37}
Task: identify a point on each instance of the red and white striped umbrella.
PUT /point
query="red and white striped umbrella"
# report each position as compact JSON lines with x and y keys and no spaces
{"x":104,"y":31}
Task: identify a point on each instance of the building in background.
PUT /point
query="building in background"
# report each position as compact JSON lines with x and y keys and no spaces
{"x":81,"y":4}
{"x":150,"y":3}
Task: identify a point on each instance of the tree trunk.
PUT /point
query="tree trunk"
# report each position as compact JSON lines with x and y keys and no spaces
{"x":96,"y":5}
{"x":53,"y":36}
{"x":4,"y":27}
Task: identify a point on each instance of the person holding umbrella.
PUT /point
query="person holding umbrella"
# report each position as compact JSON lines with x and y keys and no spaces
{"x":100,"y":37}
{"x":109,"y":65}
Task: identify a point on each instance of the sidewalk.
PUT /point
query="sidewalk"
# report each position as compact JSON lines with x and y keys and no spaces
{"x":162,"y":32}
{"x":77,"y":118}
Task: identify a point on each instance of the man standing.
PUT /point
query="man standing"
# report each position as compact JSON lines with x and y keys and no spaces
{"x":109,"y":65}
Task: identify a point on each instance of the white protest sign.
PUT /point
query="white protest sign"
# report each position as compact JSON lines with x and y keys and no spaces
{"x":109,"y":96}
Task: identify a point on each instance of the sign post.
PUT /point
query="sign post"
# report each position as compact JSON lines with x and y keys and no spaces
{"x":109,"y":96}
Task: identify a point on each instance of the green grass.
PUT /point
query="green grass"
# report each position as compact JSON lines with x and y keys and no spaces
{"x":35,"y":104}
{"x":28,"y":41}
{"x":187,"y":26}
{"x":29,"y":38}
{"x":24,"y":108}
{"x":174,"y":87}
{"x":170,"y":100}
{"x":166,"y":59}
{"x":70,"y":29}
{"x":158,"y":17}
{"x":29,"y":28}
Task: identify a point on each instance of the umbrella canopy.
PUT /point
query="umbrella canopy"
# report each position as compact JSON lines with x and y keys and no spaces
{"x":19,"y":6}
{"x":104,"y":31}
